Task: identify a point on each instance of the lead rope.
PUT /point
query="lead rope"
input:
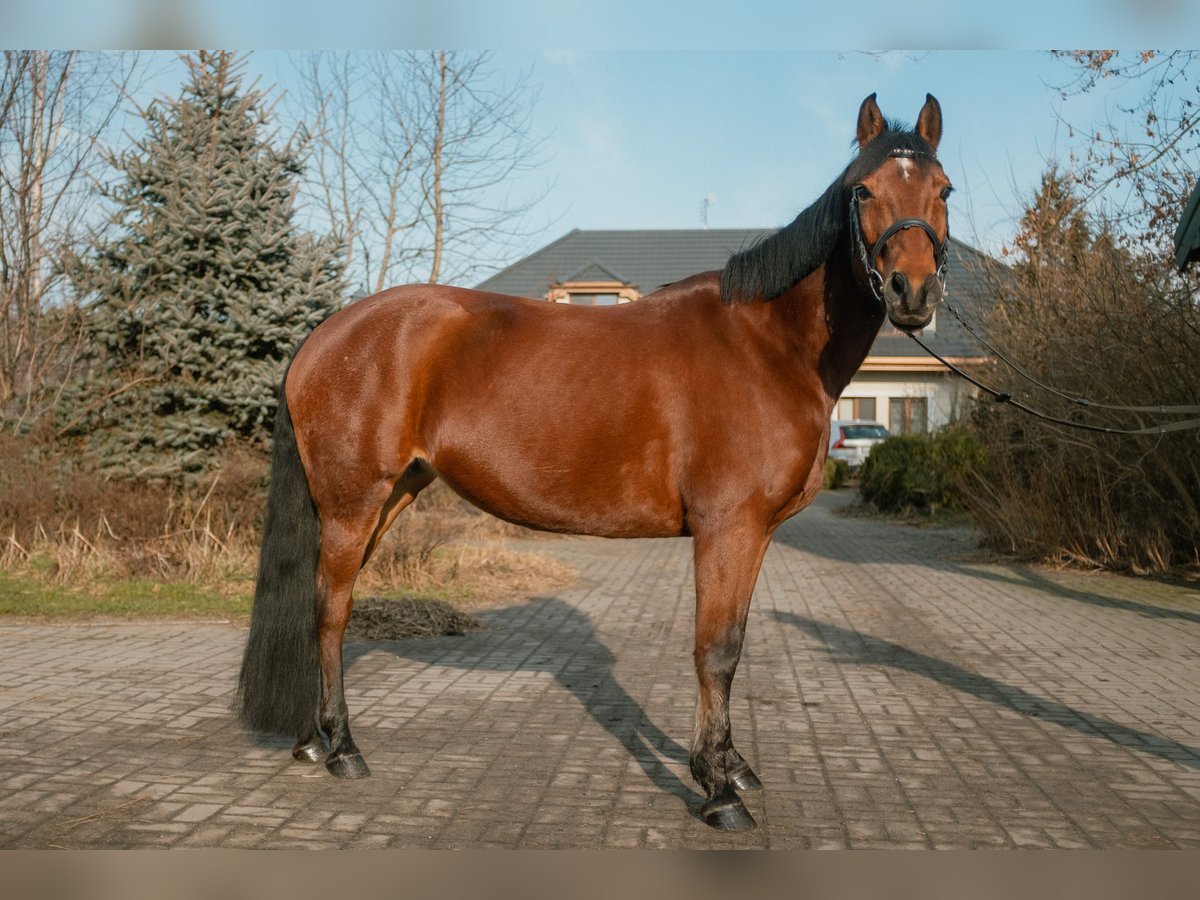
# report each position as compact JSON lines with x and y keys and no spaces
{"x":1078,"y":401}
{"x":1002,"y":397}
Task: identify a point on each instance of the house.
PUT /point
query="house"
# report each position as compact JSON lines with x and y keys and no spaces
{"x":898,"y":384}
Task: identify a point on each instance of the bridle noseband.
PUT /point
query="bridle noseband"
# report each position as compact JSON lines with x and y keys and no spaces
{"x":869,"y":259}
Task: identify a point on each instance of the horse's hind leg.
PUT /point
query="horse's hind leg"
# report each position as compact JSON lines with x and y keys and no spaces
{"x":342,"y":546}
{"x":346,"y":544}
{"x":310,"y":746}
{"x":727,"y":564}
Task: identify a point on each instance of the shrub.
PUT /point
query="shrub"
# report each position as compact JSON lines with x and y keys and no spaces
{"x":1088,"y":310}
{"x":1108,"y":501}
{"x":837,"y":473}
{"x":58,"y":506}
{"x":919,"y":472}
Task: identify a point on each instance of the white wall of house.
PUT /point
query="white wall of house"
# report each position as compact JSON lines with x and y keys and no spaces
{"x":944,"y":395}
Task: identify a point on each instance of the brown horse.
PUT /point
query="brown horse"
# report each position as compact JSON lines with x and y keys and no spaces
{"x":702,"y":410}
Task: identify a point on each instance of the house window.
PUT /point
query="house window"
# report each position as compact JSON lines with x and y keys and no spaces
{"x":592,"y":293}
{"x":908,"y":415}
{"x":856,"y":408}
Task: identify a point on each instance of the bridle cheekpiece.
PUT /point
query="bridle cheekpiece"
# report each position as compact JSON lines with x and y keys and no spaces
{"x":869,"y":259}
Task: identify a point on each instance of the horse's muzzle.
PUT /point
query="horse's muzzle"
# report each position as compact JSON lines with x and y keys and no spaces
{"x":911,"y":309}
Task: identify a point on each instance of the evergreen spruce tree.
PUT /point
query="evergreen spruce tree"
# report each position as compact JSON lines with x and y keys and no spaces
{"x":206,"y":287}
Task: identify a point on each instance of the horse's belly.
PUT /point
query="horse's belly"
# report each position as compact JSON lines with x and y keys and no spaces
{"x":599,"y":496}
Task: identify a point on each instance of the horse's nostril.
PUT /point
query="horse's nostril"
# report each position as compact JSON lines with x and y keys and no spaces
{"x":899,"y":284}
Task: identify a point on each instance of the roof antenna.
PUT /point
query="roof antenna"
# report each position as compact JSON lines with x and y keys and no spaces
{"x":708,"y":201}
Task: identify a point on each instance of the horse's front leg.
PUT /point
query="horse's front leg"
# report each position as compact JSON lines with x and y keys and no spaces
{"x":727,"y":563}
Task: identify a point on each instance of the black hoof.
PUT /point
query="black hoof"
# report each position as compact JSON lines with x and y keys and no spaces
{"x":745,"y":780}
{"x":349,"y":766}
{"x":728,"y":815}
{"x":312,"y":753}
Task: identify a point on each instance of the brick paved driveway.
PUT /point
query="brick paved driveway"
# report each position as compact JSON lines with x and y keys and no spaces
{"x":895,"y":692}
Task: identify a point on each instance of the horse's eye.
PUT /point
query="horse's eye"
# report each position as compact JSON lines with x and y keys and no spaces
{"x":861,"y":192}
{"x":946,"y":192}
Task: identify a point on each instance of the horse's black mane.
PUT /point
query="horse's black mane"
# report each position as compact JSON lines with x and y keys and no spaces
{"x":771,"y":266}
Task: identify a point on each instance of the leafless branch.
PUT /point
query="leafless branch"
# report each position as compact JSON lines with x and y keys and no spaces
{"x":55,"y":108}
{"x":412,"y":149}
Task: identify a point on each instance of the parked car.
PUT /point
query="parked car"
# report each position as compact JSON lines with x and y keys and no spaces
{"x":853,"y":439}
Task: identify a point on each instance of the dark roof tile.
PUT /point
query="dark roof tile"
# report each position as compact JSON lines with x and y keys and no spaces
{"x":651,"y":259}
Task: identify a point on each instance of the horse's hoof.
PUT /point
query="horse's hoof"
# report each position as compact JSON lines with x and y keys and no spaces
{"x":350,"y":766}
{"x":312,"y":753}
{"x":745,"y":780}
{"x":728,"y":815}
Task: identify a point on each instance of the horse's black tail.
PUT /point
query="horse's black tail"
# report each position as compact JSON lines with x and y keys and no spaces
{"x":279,"y":684}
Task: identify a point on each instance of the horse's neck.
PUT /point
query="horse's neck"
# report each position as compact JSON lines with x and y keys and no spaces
{"x":835,"y":321}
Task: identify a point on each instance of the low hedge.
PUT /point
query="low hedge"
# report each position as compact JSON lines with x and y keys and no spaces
{"x":837,"y":473}
{"x":919,"y":472}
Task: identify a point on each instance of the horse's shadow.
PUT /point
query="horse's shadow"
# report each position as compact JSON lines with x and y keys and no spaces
{"x":920,"y":546}
{"x":1028,"y":577}
{"x":548,"y":635}
{"x":849,"y":647}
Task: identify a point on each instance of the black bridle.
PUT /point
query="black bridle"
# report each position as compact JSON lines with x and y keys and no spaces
{"x":869,"y":259}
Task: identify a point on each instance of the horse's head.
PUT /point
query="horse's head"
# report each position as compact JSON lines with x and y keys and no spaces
{"x":898,"y":219}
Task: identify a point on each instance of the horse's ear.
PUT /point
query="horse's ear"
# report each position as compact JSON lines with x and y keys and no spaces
{"x":929,"y":122}
{"x":870,"y":121}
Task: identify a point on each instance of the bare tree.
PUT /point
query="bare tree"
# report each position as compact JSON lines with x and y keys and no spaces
{"x":1141,"y":160}
{"x":54,"y":105}
{"x":361,"y":158}
{"x":1092,"y":304}
{"x":480,"y":135}
{"x":414,"y":156}
{"x":1082,"y":310}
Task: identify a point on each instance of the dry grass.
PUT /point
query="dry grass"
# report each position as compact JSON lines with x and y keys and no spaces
{"x":67,"y":533}
{"x":72,"y":524}
{"x":380,"y":619}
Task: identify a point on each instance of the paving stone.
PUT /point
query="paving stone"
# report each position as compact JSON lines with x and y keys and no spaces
{"x":895,"y":691}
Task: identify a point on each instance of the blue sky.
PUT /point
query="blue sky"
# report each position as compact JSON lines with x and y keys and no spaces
{"x":653,"y":117}
{"x":604,"y":24}
{"x":638,"y":139}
